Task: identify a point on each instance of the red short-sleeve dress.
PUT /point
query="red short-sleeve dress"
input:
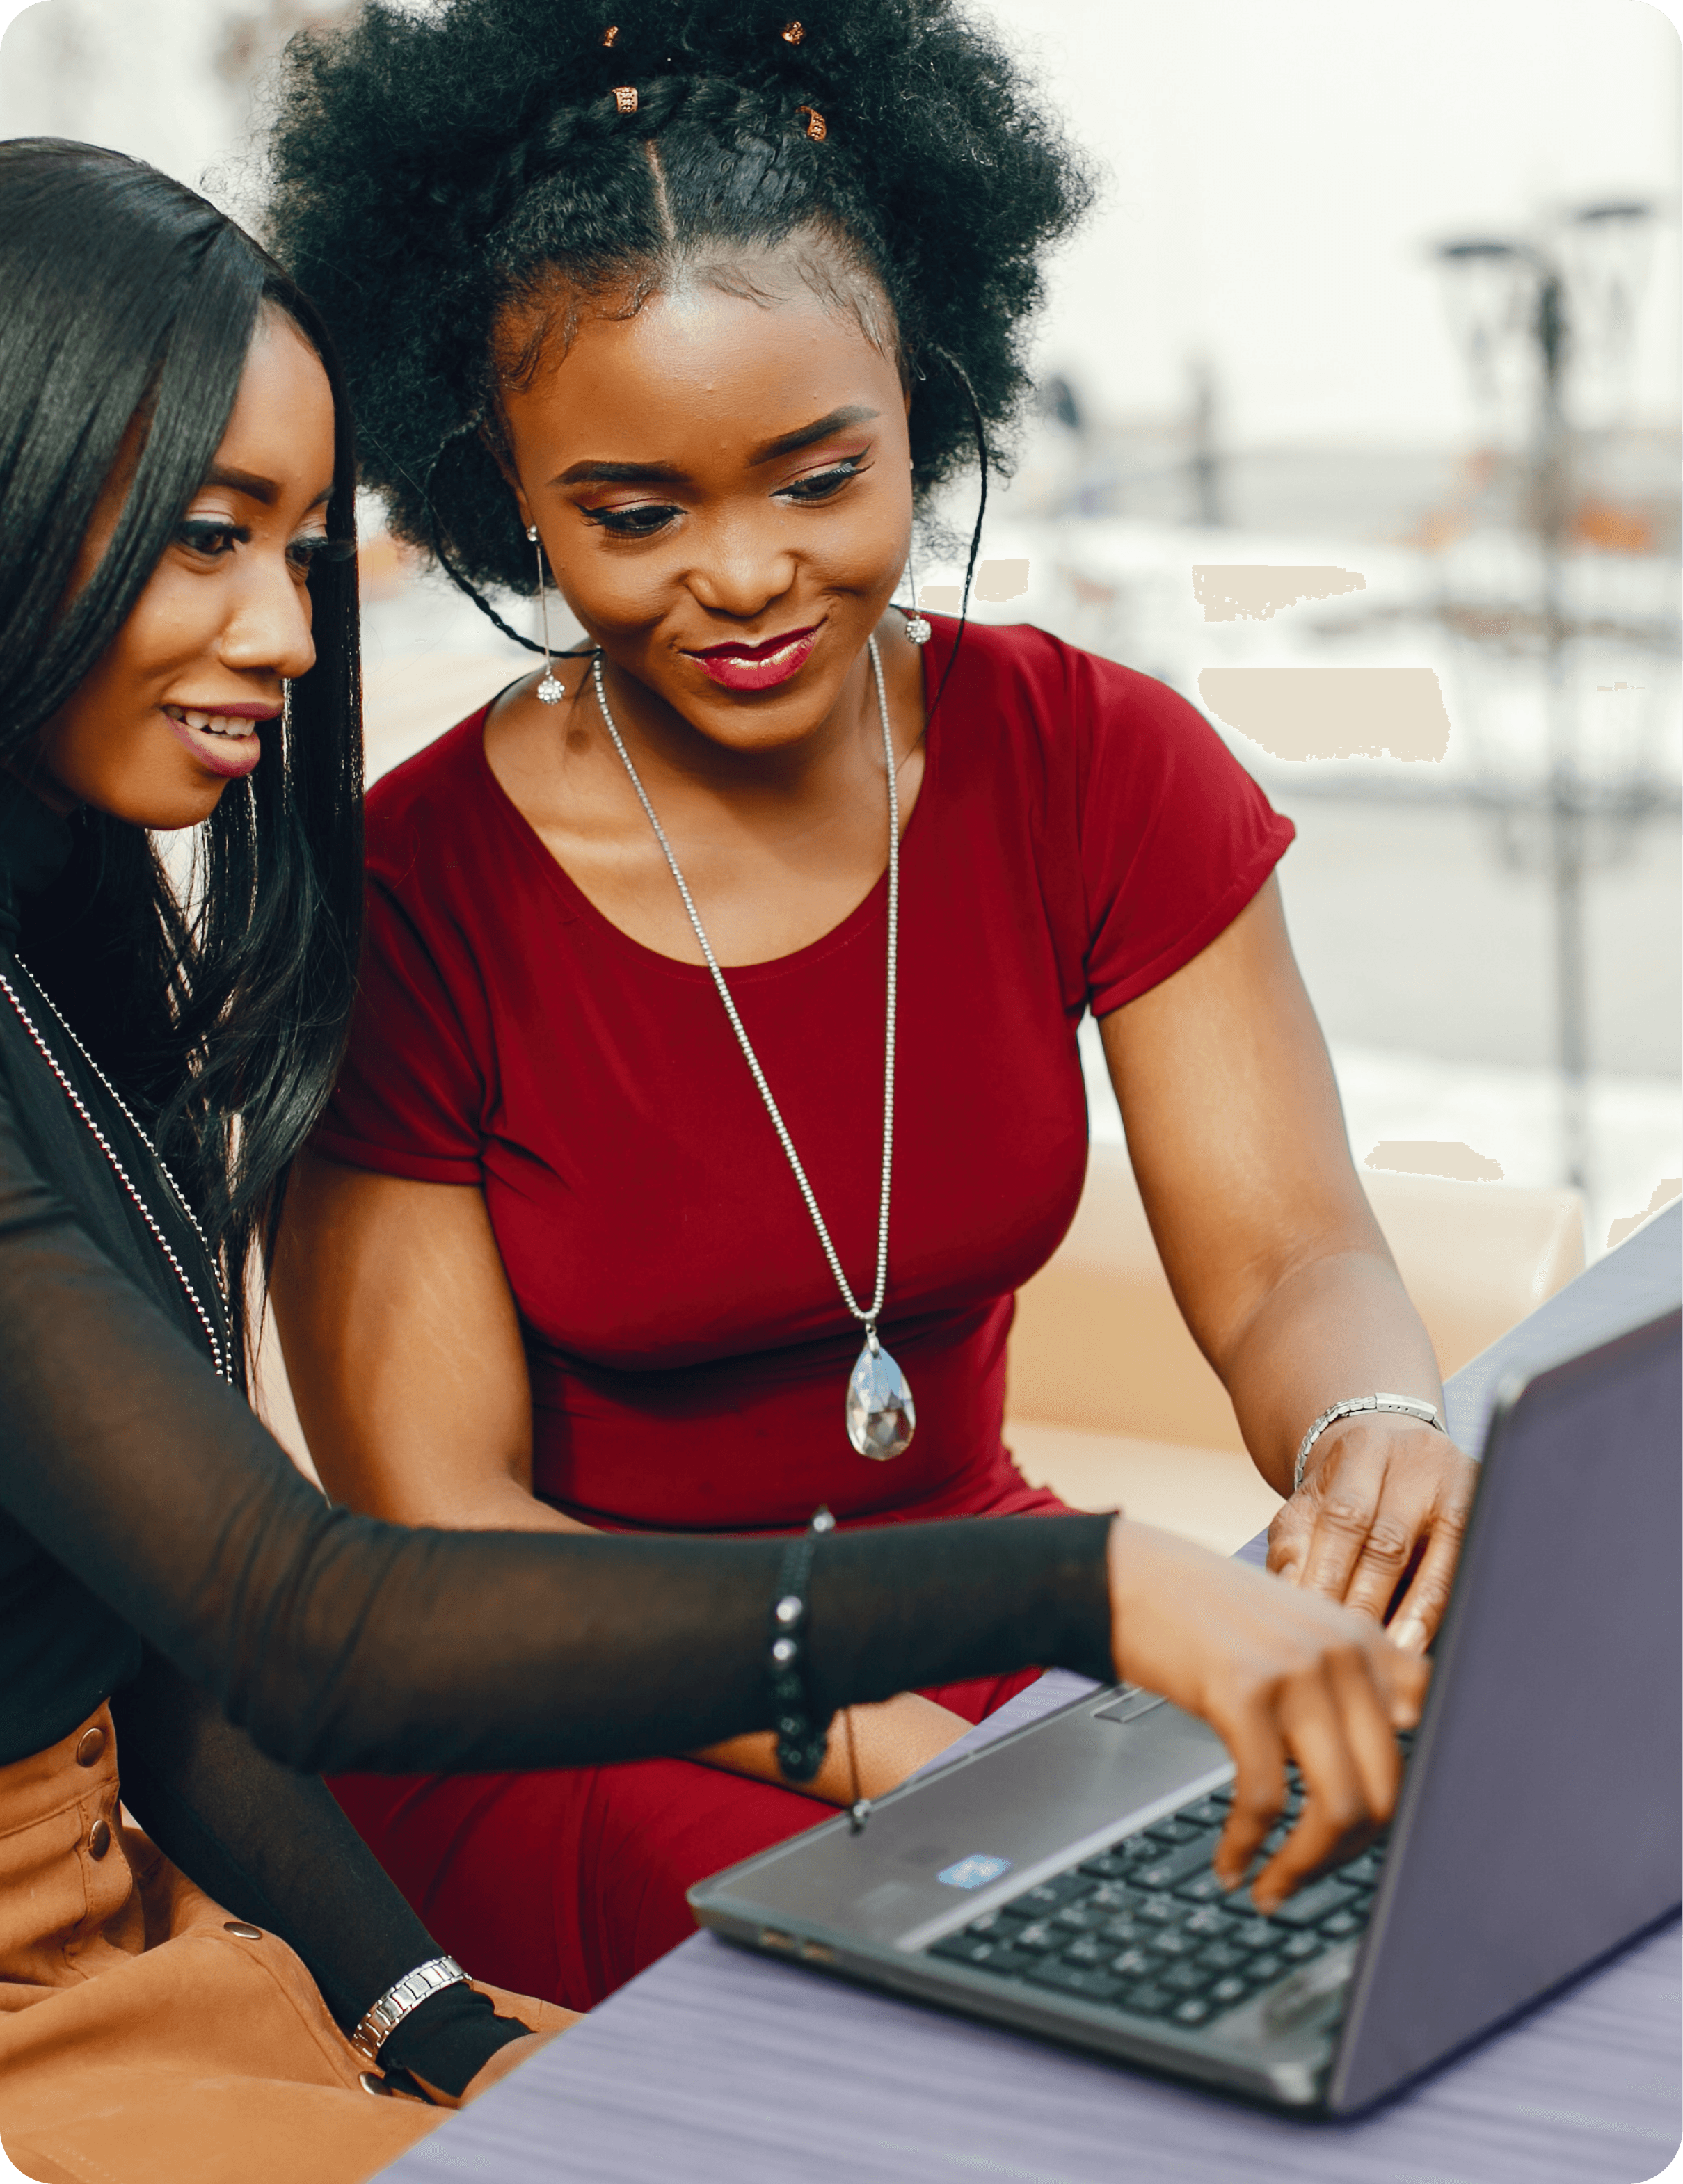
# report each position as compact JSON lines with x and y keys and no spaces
{"x":1081,"y":833}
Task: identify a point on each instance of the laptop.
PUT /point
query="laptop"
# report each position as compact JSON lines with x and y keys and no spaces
{"x":1058,"y":1880}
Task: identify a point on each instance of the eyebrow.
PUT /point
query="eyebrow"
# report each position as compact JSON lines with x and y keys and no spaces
{"x":789,"y":443}
{"x":786,"y":443}
{"x":255,"y":488}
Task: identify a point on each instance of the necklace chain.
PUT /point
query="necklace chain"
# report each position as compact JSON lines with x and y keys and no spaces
{"x":218,"y":1356}
{"x":868,"y":1317}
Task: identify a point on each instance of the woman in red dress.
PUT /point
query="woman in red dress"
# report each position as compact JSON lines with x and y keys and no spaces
{"x":687,"y":318}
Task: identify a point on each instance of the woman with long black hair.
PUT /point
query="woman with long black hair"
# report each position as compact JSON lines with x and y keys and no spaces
{"x":183,"y":1622}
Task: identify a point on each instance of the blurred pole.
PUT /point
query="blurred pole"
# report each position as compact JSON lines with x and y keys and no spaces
{"x":1204,"y":462}
{"x":1553,"y":490}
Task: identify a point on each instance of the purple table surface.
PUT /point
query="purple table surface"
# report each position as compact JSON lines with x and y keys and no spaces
{"x":719,"y":2067}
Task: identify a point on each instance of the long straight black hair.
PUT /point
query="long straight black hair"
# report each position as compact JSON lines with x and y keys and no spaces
{"x":126,"y":300}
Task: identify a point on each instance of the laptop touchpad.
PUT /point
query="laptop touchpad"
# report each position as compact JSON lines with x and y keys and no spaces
{"x":961,"y":1838}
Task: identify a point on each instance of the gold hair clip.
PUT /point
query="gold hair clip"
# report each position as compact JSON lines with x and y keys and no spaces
{"x":625,"y":97}
{"x":794,"y":33}
{"x":816,"y":128}
{"x":610,"y":36}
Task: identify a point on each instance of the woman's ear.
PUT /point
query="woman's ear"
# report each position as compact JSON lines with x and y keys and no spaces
{"x":494,"y":447}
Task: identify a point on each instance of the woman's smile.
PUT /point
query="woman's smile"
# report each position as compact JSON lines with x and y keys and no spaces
{"x":738,"y":665}
{"x":225,"y":740}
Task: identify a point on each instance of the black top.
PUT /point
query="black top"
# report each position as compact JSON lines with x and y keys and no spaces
{"x":158,"y":1546}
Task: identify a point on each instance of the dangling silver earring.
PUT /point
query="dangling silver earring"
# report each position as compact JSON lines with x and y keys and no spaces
{"x":549,"y":691}
{"x":917,"y":627}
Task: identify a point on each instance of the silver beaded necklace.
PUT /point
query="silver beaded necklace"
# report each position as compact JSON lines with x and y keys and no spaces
{"x":220,"y":1348}
{"x":880,"y":1416}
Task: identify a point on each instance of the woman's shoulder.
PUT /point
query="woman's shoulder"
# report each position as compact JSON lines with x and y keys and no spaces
{"x":426,"y":805}
{"x":1052,"y":697}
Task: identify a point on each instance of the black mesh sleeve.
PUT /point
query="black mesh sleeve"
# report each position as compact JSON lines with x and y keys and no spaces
{"x":342,"y":1642}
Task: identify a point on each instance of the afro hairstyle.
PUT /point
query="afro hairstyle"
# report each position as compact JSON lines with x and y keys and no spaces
{"x":431,"y":167}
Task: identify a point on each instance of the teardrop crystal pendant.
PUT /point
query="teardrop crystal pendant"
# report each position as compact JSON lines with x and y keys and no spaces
{"x":881,"y":1418}
{"x":549,"y":691}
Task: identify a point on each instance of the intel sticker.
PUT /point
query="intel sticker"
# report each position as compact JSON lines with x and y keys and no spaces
{"x":973,"y":1872}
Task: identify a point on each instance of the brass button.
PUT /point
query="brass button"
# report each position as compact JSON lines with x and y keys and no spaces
{"x":238,"y":1926}
{"x":99,"y":1839}
{"x":90,"y":1746}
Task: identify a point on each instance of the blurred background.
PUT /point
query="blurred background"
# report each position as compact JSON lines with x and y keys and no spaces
{"x":1369,"y":361}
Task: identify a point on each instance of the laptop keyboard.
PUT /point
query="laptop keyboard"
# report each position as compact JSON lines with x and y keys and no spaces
{"x":1146,"y":1927}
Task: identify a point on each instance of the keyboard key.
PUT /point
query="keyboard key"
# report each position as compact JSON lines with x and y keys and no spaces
{"x":1222,"y":1957}
{"x":1111,"y":1896}
{"x":965,"y":1949}
{"x":1077,"y":1979}
{"x":1148,"y":1999}
{"x":1185,"y":1979}
{"x":1132,"y":1964}
{"x":1125,"y":1927}
{"x":983,"y":1955}
{"x":999,"y":1923}
{"x":1265,"y":1966}
{"x":1170,"y":1942}
{"x":1211,"y":1921}
{"x":1080,"y":1917}
{"x":1193,"y":2011}
{"x":1208,"y":1812}
{"x":1227,"y":1991}
{"x":1363,"y":1871}
{"x":1178,"y":1865}
{"x":1253,"y":1934}
{"x":1109,"y":1865}
{"x":1341,"y":1925}
{"x":1089,"y":1950}
{"x":1043,"y":1941}
{"x":1301,"y":1948}
{"x":1204,"y":1888}
{"x":1051,"y":1895}
{"x":1159,"y":1910}
{"x":1310,"y":1905}
{"x":1176,"y":1829}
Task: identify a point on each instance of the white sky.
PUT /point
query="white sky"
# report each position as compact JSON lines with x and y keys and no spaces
{"x":1276,"y":171}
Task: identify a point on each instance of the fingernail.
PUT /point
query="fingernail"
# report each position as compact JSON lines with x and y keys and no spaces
{"x":1411,"y":1635}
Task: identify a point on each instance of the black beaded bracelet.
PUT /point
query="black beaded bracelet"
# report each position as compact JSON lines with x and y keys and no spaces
{"x":801,"y":1741}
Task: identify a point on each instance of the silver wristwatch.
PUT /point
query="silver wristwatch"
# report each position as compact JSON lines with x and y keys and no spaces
{"x":1412,"y":1406}
{"x":383,"y":2017}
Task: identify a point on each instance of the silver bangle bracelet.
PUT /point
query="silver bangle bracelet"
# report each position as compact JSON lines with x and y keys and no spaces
{"x":382,"y":2020}
{"x":1410,"y":1406}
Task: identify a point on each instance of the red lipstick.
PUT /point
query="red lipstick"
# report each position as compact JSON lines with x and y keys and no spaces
{"x":738,"y":665}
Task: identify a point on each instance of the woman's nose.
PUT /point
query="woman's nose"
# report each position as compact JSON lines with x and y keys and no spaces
{"x":270,"y":627}
{"x":746,"y":565}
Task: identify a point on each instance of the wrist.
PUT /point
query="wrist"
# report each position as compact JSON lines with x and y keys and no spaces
{"x":1384,"y":1405}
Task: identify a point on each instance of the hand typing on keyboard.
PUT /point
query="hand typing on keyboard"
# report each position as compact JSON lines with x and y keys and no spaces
{"x":1282,"y":1675}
